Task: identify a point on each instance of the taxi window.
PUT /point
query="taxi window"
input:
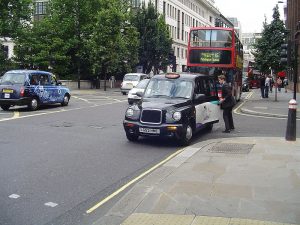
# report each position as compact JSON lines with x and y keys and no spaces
{"x":203,"y":86}
{"x":53,"y":80}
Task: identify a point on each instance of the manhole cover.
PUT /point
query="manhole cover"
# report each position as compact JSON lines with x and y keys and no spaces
{"x":231,"y":148}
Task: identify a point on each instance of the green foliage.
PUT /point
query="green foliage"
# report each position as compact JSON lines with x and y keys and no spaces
{"x":14,"y":17}
{"x":114,"y":42}
{"x":155,"y":42}
{"x":267,"y":49}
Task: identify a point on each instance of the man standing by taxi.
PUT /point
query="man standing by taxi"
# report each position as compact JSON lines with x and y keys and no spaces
{"x":227,"y":102}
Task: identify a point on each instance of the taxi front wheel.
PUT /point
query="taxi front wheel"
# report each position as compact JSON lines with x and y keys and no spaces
{"x":186,"y":136}
{"x":132,"y":137}
{"x":65,"y":101}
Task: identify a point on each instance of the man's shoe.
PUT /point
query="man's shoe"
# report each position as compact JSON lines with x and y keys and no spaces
{"x":232,"y":128}
{"x":226,"y":131}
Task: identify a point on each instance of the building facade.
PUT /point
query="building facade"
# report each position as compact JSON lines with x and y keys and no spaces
{"x":248,"y":40}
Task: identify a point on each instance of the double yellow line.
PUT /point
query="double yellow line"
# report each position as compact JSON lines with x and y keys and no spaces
{"x":124,"y":187}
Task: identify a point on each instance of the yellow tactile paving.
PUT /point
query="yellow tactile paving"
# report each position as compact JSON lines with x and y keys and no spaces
{"x":206,"y":220}
{"x":158,"y":219}
{"x":237,"y":221}
{"x":169,"y":219}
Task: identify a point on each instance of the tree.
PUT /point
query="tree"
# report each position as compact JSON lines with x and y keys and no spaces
{"x":268,"y":48}
{"x":58,"y":40}
{"x":114,"y":40}
{"x":155,"y":41}
{"x":14,"y":17}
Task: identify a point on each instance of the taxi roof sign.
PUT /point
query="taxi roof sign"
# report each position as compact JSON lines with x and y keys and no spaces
{"x":172,"y":75}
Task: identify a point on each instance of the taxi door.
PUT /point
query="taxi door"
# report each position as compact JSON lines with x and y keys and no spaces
{"x":207,"y":110}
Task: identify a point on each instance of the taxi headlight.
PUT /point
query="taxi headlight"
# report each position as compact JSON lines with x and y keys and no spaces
{"x":129,"y":112}
{"x":177,"y":116}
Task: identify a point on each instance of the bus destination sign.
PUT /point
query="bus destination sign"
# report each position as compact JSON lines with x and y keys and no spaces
{"x":202,"y":56}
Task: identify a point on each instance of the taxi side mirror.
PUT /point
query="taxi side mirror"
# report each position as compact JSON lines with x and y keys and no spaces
{"x":140,"y":94}
{"x":199,"y":97}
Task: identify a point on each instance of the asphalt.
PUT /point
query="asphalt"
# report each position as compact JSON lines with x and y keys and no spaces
{"x":236,"y":181}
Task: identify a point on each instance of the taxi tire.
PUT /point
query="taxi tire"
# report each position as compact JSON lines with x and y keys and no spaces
{"x":209,"y":127}
{"x":65,"y":101}
{"x":132,"y":137}
{"x":187,"y":135}
{"x":5,"y":107}
{"x":34,"y":104}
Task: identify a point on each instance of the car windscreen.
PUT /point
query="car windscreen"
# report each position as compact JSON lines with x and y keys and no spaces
{"x":142,"y":84}
{"x":170,"y":88}
{"x":13,"y":78}
{"x":131,"y":78}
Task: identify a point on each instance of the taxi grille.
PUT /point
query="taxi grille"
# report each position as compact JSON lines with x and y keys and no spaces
{"x":152,"y":116}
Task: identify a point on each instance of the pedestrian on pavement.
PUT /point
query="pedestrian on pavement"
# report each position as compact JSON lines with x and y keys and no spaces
{"x":271,"y":83}
{"x":262,"y":86}
{"x":267,"y":86}
{"x":285,"y":84}
{"x":227,"y":102}
{"x":279,"y":83}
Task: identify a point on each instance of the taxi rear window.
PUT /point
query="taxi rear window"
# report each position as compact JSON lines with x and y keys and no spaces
{"x":13,"y":78}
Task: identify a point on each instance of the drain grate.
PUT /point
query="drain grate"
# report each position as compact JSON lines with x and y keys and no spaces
{"x":231,"y":148}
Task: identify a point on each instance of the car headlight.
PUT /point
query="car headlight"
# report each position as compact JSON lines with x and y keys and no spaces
{"x":176,"y":116}
{"x":129,"y":112}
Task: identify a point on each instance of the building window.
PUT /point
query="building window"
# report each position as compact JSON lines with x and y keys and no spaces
{"x":41,"y":8}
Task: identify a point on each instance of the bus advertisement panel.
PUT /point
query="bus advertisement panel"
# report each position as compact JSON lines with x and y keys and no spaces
{"x":214,"y":51}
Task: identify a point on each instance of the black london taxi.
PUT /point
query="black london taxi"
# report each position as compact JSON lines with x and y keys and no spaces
{"x":174,"y":105}
{"x":31,"y":88}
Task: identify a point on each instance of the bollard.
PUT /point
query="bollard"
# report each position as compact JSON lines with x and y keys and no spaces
{"x":290,"y":134}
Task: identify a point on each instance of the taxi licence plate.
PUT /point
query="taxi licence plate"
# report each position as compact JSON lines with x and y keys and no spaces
{"x":149,"y":130}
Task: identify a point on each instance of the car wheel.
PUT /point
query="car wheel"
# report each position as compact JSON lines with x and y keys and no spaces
{"x":132,"y":137}
{"x":209,"y":127}
{"x":5,"y":107}
{"x":65,"y":101}
{"x":187,"y":135}
{"x":34,"y":104}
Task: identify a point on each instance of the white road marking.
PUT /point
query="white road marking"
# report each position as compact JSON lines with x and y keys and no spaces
{"x":59,"y":111}
{"x":51,"y":204}
{"x":260,"y":107}
{"x":14,"y":196}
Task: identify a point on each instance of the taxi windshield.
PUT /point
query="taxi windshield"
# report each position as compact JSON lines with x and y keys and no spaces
{"x":169,"y":88}
{"x":13,"y":78}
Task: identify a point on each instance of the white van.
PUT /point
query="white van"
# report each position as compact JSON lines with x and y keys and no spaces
{"x":130,"y":80}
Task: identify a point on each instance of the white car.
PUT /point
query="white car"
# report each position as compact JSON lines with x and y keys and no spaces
{"x":130,"y":80}
{"x":140,"y":87}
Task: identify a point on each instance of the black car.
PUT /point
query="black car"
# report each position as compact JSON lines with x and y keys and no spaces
{"x":174,"y":105}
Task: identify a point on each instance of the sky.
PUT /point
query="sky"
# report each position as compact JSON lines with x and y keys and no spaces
{"x":250,"y":13}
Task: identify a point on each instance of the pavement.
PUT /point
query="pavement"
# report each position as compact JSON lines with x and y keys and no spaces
{"x":229,"y":181}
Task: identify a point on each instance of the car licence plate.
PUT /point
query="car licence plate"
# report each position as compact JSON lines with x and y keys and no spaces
{"x":149,"y":130}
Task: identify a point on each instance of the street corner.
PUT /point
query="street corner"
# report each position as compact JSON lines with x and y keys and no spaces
{"x":171,"y":219}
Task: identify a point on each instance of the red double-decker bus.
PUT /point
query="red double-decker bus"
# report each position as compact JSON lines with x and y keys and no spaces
{"x":214,"y":51}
